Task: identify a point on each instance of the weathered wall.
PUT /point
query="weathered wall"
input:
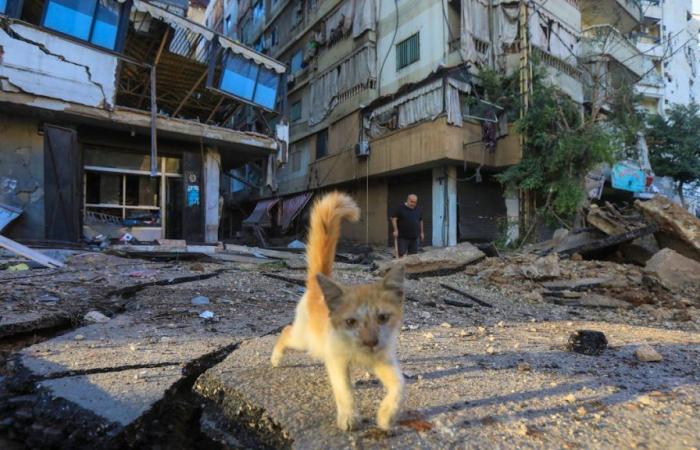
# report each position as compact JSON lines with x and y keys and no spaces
{"x":373,"y":219}
{"x":22,"y":175}
{"x":43,"y":64}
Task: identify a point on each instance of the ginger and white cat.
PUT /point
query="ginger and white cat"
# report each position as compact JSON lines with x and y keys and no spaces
{"x":347,"y":325}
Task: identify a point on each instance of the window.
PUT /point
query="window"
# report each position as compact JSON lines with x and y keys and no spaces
{"x":407,"y":51}
{"x":95,"y":21}
{"x":322,"y":143}
{"x":295,"y":111}
{"x":295,"y":163}
{"x":258,"y":13}
{"x":296,"y":62}
{"x":3,"y":6}
{"x":246,"y":80}
{"x":273,"y":37}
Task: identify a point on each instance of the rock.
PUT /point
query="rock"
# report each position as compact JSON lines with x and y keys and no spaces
{"x":437,"y":261}
{"x":646,"y":353}
{"x":675,"y":271}
{"x":79,"y":337}
{"x":587,"y":342}
{"x":95,"y":317}
{"x":570,"y":398}
{"x":559,"y":235}
{"x":200,"y":300}
{"x":543,"y":268}
{"x":524,"y":367}
{"x":445,"y":325}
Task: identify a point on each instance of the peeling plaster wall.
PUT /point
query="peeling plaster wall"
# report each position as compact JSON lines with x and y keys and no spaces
{"x":22,"y":175}
{"x":36,"y":62}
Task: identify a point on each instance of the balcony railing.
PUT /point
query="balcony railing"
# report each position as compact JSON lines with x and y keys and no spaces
{"x":606,"y":41}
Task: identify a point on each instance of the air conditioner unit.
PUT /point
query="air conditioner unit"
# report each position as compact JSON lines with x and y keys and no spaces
{"x":362,"y":149}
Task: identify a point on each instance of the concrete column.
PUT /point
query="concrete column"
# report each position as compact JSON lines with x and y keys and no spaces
{"x":444,"y":206}
{"x":212,"y":176}
{"x":513,"y":216}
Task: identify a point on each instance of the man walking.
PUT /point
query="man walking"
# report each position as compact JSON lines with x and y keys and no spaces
{"x":407,"y":222}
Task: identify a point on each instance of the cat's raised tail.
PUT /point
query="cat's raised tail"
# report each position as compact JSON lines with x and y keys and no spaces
{"x":326,"y":217}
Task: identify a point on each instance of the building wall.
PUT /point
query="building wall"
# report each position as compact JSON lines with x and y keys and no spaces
{"x":22,"y":174}
{"x":51,"y":66}
{"x":372,"y":225}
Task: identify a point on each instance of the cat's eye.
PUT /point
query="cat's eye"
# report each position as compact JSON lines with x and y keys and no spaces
{"x":383,"y":318}
{"x":350,"y":322}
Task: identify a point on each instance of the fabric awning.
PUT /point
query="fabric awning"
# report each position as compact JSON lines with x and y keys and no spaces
{"x":290,"y":209}
{"x":261,"y":214}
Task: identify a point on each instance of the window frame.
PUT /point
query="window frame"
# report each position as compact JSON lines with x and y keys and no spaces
{"x":292,"y":108}
{"x":216,"y":85}
{"x":122,"y":26}
{"x":324,"y":133}
{"x":416,"y":36}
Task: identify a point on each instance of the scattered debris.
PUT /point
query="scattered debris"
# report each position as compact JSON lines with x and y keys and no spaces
{"x":675,"y":271}
{"x":678,"y":229}
{"x":587,"y":342}
{"x":18,"y":267}
{"x":21,"y":250}
{"x":206,"y":314}
{"x":468,"y":295}
{"x":296,"y":244}
{"x":592,"y":301}
{"x":646,"y":353}
{"x":438,"y":261}
{"x":543,"y":268}
{"x":95,"y":317}
{"x":200,"y":300}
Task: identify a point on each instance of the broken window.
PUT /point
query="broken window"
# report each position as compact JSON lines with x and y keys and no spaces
{"x":244,"y":79}
{"x":95,"y":21}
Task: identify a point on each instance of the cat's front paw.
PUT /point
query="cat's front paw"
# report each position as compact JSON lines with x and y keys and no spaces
{"x":386,"y":414}
{"x":276,"y":359}
{"x":347,"y":420}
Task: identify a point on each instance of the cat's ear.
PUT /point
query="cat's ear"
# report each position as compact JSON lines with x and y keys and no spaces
{"x":393,"y":280}
{"x":332,"y":291}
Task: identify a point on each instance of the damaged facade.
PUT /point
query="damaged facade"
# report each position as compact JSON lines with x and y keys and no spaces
{"x":384,"y":98}
{"x":115,"y":117}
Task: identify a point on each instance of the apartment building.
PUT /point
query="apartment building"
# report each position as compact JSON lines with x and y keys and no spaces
{"x":668,"y":38}
{"x":115,"y":118}
{"x":383,"y":99}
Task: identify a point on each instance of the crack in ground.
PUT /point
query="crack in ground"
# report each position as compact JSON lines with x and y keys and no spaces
{"x":129,"y":291}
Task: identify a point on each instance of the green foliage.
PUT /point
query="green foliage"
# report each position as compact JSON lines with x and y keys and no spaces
{"x":502,"y":91}
{"x":561,"y":146}
{"x":626,"y":120}
{"x":674,"y":144}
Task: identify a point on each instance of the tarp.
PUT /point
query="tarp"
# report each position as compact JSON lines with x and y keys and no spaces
{"x":291,"y":207}
{"x":261,"y":213}
{"x":8,"y":214}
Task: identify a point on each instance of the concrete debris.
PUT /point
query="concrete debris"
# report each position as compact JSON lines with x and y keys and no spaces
{"x":200,"y":300}
{"x":675,"y":271}
{"x":678,"y":229}
{"x":437,"y":260}
{"x":587,"y":342}
{"x":646,"y":353}
{"x":543,"y":268}
{"x":206,"y":314}
{"x":95,"y":317}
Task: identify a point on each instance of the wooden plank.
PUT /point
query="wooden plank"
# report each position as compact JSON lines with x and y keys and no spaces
{"x":189,"y":93}
{"x":21,"y":250}
{"x":245,"y":250}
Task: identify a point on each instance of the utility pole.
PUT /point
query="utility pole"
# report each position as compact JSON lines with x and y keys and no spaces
{"x":526,"y":200}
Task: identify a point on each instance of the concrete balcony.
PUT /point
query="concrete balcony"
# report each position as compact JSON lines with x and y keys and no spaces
{"x":652,"y":9}
{"x":604,"y":41}
{"x":625,"y":15}
{"x":651,"y":49}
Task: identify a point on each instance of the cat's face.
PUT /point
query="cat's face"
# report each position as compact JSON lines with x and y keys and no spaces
{"x":367,"y":317}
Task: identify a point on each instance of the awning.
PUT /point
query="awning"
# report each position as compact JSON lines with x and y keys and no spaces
{"x":178,"y":22}
{"x":290,"y":209}
{"x":261,"y":214}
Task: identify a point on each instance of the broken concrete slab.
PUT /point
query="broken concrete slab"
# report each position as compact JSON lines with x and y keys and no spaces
{"x":675,"y":271}
{"x":15,"y":323}
{"x":592,"y":301}
{"x":437,"y":261}
{"x":679,"y":229}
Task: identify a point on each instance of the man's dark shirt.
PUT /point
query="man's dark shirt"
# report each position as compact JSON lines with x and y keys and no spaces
{"x":408,"y":221}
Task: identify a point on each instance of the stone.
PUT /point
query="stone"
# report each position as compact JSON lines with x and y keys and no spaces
{"x":646,"y":353}
{"x":587,"y":342}
{"x":95,"y":317}
{"x":445,"y":325}
{"x":200,"y":300}
{"x":680,"y":229}
{"x":524,"y":367}
{"x":599,"y":301}
{"x":439,"y":260}
{"x":575,"y":285}
{"x":78,"y":337}
{"x":543,"y":268}
{"x":675,"y":271}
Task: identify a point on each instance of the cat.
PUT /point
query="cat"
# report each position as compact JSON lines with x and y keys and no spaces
{"x":347,"y":325}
